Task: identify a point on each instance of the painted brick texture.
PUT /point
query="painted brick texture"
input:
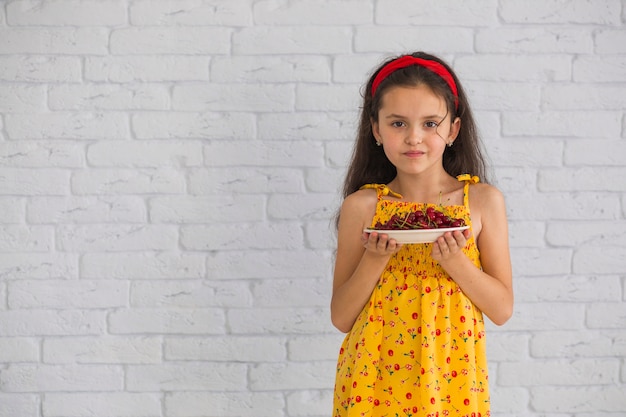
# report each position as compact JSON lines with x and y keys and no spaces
{"x":170,"y":169}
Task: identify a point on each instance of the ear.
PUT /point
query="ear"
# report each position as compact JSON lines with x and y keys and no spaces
{"x":376,"y":130}
{"x":455,"y":128}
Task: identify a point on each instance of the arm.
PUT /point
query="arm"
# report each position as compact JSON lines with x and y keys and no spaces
{"x":361,"y":259}
{"x":490,"y":289}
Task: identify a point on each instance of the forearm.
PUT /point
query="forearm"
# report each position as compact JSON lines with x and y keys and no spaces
{"x":349,"y":299}
{"x":489,"y":294}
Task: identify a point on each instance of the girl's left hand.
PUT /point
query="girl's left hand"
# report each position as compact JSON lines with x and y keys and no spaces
{"x":449,"y":245}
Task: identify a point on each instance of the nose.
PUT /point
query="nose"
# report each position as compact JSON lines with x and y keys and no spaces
{"x":414,"y":136}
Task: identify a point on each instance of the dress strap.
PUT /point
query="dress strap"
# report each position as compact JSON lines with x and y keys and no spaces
{"x":469,"y":179}
{"x":381,"y":190}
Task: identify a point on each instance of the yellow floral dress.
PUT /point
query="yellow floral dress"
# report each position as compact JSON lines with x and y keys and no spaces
{"x":417,"y":349}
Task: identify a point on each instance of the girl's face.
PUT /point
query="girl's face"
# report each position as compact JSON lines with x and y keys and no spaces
{"x":414,"y":128}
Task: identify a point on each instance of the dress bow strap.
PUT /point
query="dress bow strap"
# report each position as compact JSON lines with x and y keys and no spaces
{"x":381,"y":190}
{"x":472,"y":179}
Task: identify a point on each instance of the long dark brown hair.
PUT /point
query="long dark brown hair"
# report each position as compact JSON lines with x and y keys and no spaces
{"x":369,"y":164}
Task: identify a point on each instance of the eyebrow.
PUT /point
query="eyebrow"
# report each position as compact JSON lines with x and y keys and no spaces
{"x":399,"y":116}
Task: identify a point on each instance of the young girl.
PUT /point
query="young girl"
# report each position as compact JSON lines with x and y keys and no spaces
{"x":414,"y":312}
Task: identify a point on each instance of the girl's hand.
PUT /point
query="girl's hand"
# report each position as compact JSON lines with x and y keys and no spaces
{"x":449,"y":245}
{"x":380,"y":244}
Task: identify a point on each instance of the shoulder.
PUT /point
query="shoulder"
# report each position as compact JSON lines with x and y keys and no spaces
{"x":359,"y":207}
{"x":485,"y":194}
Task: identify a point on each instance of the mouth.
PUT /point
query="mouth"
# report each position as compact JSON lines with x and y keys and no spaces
{"x":414,"y":154}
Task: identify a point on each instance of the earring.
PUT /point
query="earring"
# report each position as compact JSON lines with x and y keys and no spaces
{"x":450,"y":144}
{"x":378,"y":143}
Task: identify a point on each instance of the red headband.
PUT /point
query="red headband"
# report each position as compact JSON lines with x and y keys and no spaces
{"x":407,"y":61}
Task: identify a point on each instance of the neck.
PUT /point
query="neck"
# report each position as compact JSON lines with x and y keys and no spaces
{"x":426,"y":188}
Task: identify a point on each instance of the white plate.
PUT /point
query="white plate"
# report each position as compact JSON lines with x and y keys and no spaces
{"x":415,"y":235}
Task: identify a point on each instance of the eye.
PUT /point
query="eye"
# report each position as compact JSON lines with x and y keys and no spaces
{"x":431,"y":125}
{"x":398,"y":124}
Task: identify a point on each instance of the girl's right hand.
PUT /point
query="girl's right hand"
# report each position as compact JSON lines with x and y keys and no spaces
{"x":380,"y":244}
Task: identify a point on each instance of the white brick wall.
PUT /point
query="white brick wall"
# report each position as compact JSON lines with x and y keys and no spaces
{"x":169,"y":170}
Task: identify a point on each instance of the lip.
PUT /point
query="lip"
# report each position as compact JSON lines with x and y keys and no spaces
{"x":414,"y":154}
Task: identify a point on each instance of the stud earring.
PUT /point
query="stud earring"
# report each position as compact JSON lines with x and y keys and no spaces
{"x":378,"y":143}
{"x":450,"y":144}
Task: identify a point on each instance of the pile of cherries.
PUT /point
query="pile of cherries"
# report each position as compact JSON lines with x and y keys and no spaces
{"x":431,"y":218}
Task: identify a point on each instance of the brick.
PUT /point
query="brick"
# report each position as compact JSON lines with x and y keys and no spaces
{"x":599,"y":260}
{"x":244,"y":236}
{"x":548,"y":372}
{"x":547,"y":316}
{"x":588,"y":152}
{"x":605,"y":69}
{"x":190,"y":294}
{"x":606,"y":315}
{"x":199,"y":209}
{"x":573,"y":124}
{"x":166,"y":321}
{"x":115,"y":238}
{"x":42,"y":210}
{"x":266,"y":153}
{"x":30,"y":182}
{"x":51,"y":322}
{"x":534,"y":40}
{"x":67,"y":13}
{"x":262,"y":40}
{"x":108,"y":97}
{"x":503,"y":96}
{"x":12,"y":209}
{"x":554,"y":11}
{"x":512,"y":402}
{"x":170,"y":40}
{"x":58,"y":294}
{"x":309,"y":402}
{"x":582,"y":179}
{"x":590,"y":399}
{"x":321,"y":234}
{"x":54,"y":40}
{"x":270,"y":69}
{"x":563,"y":206}
{"x":385,"y":39}
{"x":55,"y":378}
{"x":240,"y":97}
{"x":249,"y":180}
{"x":409,"y":13}
{"x":62,"y":125}
{"x":189,"y":376}
{"x":283,"y":376}
{"x":610,"y":41}
{"x":22,"y":98}
{"x":326,"y":347}
{"x":530,"y":262}
{"x":37,"y":68}
{"x":112,"y":404}
{"x":520,"y":68}
{"x":573,"y":344}
{"x":274,"y":321}
{"x":142,"y":265}
{"x":226,"y":348}
{"x":137,"y":181}
{"x":21,"y":238}
{"x":172,"y":125}
{"x":147,"y":68}
{"x":42,"y":154}
{"x":526,"y":233}
{"x":148,"y":154}
{"x":18,"y":349}
{"x":308,"y":206}
{"x":503,"y":346}
{"x":269,"y":264}
{"x":19,"y":405}
{"x":600,"y":233}
{"x":584,"y":97}
{"x":225,"y":404}
{"x":38,"y":265}
{"x":572,"y":288}
{"x":191,"y":13}
{"x":332,"y":12}
{"x":304,"y":125}
{"x":332,"y":98}
{"x":292,"y":293}
{"x":102,"y":350}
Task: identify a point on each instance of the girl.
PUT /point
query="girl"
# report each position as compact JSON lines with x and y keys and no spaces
{"x":414,"y":312}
